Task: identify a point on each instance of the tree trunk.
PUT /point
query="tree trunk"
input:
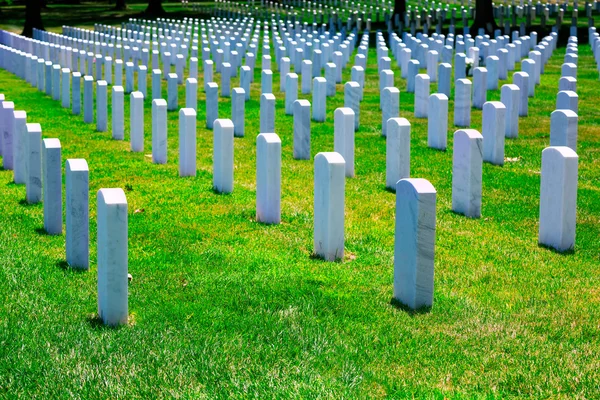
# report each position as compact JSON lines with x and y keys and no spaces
{"x":120,"y":5}
{"x":33,"y":17}
{"x":155,"y":8}
{"x":484,"y":17}
{"x":400,"y":8}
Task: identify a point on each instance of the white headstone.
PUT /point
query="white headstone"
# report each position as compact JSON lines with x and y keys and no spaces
{"x":558,"y":198}
{"x":34,"y":164}
{"x":414,"y":243}
{"x":268,"y":178}
{"x":510,"y":98}
{"x":136,"y":121}
{"x":77,"y":212}
{"x":467,"y":172}
{"x":267,"y":113}
{"x":563,"y":129}
{"x":187,"y":142}
{"x":329,"y":206}
{"x":437,"y":126}
{"x":493,"y":120}
{"x":397,"y":154}
{"x":52,"y":181}
{"x":238,"y":105}
{"x":159,"y":131}
{"x":302,"y":130}
{"x":223,"y":156}
{"x":343,"y":137}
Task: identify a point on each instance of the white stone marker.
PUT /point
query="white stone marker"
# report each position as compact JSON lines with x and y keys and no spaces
{"x":563,"y":129}
{"x":136,"y":121}
{"x":268,"y":178}
{"x":208,"y":72}
{"x":491,"y":62}
{"x":306,"y":76}
{"x":421,"y":95}
{"x":330,"y":79}
{"x":319,"y":99}
{"x":7,"y":109}
{"x":223,"y":156}
{"x":352,"y":101}
{"x":88,"y":99}
{"x":52,"y":182}
{"x":558,"y":198}
{"x":66,"y":88}
{"x":522,"y":80}
{"x":112,"y":257}
{"x":266,"y":80}
{"x":414,"y":243}
{"x":329,"y":206}
{"x":567,"y":100}
{"x":391,"y":107}
{"x":567,"y":83}
{"x":437,"y":126}
{"x":343,"y":137}
{"x":212,"y":104}
{"x":20,"y":142}
{"x":77,"y":224}
{"x":118,"y":73}
{"x":172,"y":92}
{"x":444,"y":74}
{"x":56,"y":82}
{"x":284,"y":69}
{"x":118,"y":110}
{"x":245,"y":80}
{"x":462,"y":103}
{"x":432,"y":65}
{"x":101,"y":106}
{"x":156,"y":84}
{"x":397,"y":153}
{"x":159,"y":131}
{"x":467,"y":172}
{"x":291,"y":92}
{"x":226,"y":80}
{"x":494,"y":120}
{"x":480,"y":87}
{"x":510,"y":98}
{"x":529,"y":67}
{"x":569,"y":69}
{"x":267,"y":113}
{"x":34,"y":164}
{"x":302,"y":130}
{"x":128,"y":77}
{"x":187,"y":142}
{"x":191,"y":93}
{"x":142,"y":81}
{"x":76,"y":94}
{"x":48,"y":78}
{"x":238,"y":111}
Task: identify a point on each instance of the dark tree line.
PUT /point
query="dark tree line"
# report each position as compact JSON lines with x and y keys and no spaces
{"x":33,"y":13}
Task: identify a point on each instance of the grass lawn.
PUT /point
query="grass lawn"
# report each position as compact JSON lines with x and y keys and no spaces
{"x":221,"y":306}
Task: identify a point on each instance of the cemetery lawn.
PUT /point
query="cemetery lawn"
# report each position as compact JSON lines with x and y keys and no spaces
{"x":221,"y":306}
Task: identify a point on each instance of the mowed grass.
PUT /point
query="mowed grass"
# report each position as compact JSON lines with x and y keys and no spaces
{"x":222,"y":306}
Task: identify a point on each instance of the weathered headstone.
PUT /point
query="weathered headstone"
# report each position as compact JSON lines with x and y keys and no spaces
{"x":223,"y":156}
{"x":212,"y":104}
{"x":88,"y":99}
{"x":391,"y":107}
{"x":159,"y":131}
{"x":112,"y":253}
{"x":493,"y":131}
{"x":421,"y":95}
{"x":187,"y":142}
{"x":563,"y":129}
{"x":101,"y":106}
{"x":558,"y":198}
{"x":467,"y":172}
{"x":397,"y":154}
{"x":34,"y":164}
{"x":118,"y":110}
{"x":267,"y":113}
{"x":268,"y":178}
{"x":291,"y":92}
{"x":510,"y":98}
{"x":52,"y":182}
{"x":437,"y":127}
{"x":522,"y":81}
{"x":329,"y":206}
{"x":238,"y":112}
{"x":172,"y":92}
{"x":301,"y":130}
{"x":20,"y":143}
{"x":343,"y":137}
{"x":462,"y":103}
{"x":319,"y":99}
{"x":77,"y":213}
{"x":414,"y":243}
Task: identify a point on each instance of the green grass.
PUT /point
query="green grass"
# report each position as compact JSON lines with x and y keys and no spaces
{"x":221,"y":306}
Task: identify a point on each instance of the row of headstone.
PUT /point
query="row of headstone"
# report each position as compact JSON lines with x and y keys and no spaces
{"x":37,"y":163}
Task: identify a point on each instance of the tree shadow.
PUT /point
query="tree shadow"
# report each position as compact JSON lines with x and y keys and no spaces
{"x":397,"y":304}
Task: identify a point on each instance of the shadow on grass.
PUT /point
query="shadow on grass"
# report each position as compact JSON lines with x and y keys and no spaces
{"x":403,"y":307}
{"x":64,"y":265}
{"x":389,"y":189}
{"x":24,"y":203}
{"x":555,"y":251}
{"x":96,"y":323}
{"x":316,"y":257}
